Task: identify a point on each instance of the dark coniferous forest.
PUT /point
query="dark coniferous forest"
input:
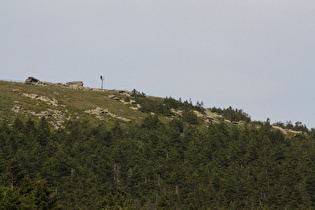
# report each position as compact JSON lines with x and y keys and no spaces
{"x":111,"y":150}
{"x":154,"y":166}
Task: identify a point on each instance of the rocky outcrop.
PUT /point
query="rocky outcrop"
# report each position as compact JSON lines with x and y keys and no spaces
{"x":57,"y":117}
{"x":49,"y":101}
{"x":286,"y":131}
{"x":73,"y":84}
{"x":99,"y":112}
{"x":17,"y":109}
{"x":134,"y":105}
{"x":207,"y":116}
{"x":31,"y":80}
{"x":113,"y":97}
{"x":78,"y":85}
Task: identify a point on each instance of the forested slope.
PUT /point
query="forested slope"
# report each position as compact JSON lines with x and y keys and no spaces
{"x":154,"y":165}
{"x":166,"y":160}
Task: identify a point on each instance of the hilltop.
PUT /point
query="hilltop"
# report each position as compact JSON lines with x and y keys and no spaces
{"x":59,"y":103}
{"x":72,"y":101}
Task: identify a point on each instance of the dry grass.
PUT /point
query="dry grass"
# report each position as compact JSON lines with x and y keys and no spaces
{"x":71,"y":101}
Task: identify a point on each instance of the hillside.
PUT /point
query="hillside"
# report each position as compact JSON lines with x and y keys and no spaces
{"x":66,"y":146}
{"x":59,"y":103}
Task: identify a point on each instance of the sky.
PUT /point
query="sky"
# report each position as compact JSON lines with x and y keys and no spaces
{"x":255,"y":55}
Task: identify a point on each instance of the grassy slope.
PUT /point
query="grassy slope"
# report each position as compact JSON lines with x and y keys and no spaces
{"x":72,"y":103}
{"x":75,"y":102}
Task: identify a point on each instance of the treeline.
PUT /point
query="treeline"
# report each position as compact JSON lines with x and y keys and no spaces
{"x":164,"y":107}
{"x":298,"y":126}
{"x":232,"y":114}
{"x":154,"y":166}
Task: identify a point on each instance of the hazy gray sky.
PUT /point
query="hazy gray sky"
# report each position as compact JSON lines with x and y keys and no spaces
{"x":250,"y":54}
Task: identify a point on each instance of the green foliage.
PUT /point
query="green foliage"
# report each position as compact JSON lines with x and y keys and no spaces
{"x":137,"y":94}
{"x":5,"y":102}
{"x":157,"y":163}
{"x":178,"y":104}
{"x":149,"y":105}
{"x":19,"y":191}
{"x":232,"y":114}
{"x":154,"y":165}
{"x":151,"y":122}
{"x":189,"y":117}
{"x":163,"y":107}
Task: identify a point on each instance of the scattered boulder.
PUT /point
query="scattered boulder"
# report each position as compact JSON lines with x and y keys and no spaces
{"x":97,"y":111}
{"x":93,"y":89}
{"x":17,"y":109}
{"x":100,"y":111}
{"x":75,"y":84}
{"x":198,"y":114}
{"x":49,"y":101}
{"x":31,"y":81}
{"x":78,"y":85}
{"x":127,"y":94}
{"x":56,"y":115}
{"x":114,"y":97}
{"x":119,"y":91}
{"x":176,"y":112}
{"x":286,"y":131}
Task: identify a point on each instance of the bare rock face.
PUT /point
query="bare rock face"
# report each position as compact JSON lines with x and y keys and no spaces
{"x":31,"y":81}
